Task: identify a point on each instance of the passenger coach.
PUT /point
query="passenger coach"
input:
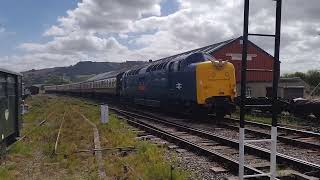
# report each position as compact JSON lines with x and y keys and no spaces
{"x":10,"y":101}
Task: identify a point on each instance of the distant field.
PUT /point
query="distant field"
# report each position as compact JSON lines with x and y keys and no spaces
{"x":40,"y":156}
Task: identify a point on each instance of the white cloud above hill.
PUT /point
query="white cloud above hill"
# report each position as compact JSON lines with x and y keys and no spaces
{"x":119,"y":30}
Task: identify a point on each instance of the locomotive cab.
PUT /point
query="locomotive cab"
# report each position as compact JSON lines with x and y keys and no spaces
{"x":216,"y":86}
{"x":198,"y":79}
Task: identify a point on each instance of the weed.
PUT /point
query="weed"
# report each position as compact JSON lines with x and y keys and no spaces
{"x":21,"y":148}
{"x":147,"y":162}
{"x":4,"y":173}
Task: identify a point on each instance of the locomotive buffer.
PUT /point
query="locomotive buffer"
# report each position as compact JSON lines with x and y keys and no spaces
{"x":276,"y":73}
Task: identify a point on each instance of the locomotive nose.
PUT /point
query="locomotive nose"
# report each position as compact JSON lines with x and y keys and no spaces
{"x":215,"y":81}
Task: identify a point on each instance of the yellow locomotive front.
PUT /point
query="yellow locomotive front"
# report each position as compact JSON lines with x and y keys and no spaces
{"x":216,"y":86}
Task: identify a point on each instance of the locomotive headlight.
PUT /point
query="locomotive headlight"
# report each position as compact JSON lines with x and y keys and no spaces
{"x":226,"y":74}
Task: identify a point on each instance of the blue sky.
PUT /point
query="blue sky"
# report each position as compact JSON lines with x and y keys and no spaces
{"x":26,"y":20}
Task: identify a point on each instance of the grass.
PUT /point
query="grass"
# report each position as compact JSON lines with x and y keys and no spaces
{"x":34,"y":157}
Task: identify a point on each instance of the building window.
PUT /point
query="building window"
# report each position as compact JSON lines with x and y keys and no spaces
{"x":249,"y":92}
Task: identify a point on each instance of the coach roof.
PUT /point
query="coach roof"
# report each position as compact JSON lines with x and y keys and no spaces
{"x":10,"y":72}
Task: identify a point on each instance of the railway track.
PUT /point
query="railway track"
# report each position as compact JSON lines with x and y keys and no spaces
{"x":224,"y":150}
{"x":288,"y":136}
{"x":301,"y":138}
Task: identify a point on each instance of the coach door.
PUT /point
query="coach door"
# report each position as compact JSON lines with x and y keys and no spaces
{"x":7,"y":105}
{"x":12,"y":107}
{"x":3,"y":105}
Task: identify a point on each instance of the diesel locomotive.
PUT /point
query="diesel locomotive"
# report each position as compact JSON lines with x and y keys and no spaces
{"x":194,"y":82}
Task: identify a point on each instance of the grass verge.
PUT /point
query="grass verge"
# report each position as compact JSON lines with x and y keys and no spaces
{"x":34,"y":157}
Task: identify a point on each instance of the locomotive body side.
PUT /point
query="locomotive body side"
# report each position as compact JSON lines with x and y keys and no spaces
{"x":182,"y":83}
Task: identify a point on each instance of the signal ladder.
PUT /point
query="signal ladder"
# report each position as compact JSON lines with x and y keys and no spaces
{"x":276,"y":73}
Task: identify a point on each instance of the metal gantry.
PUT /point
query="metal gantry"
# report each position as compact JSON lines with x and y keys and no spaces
{"x":276,"y":73}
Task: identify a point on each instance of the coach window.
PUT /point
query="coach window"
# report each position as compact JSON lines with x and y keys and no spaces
{"x":2,"y":86}
{"x":10,"y":85}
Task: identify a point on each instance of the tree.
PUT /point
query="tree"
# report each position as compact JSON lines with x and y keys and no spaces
{"x":313,"y":77}
{"x":55,"y":80}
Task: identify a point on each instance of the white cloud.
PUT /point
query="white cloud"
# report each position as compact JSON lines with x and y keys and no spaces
{"x":95,"y":28}
{"x":73,"y":44}
{"x":104,"y":16}
{"x":2,"y":29}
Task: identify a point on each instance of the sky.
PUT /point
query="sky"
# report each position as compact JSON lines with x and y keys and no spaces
{"x":37,"y":34}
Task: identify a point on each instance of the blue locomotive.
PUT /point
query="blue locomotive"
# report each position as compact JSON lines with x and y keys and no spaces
{"x":193,"y":82}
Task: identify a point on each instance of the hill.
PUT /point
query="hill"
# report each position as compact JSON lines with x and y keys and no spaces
{"x":75,"y":73}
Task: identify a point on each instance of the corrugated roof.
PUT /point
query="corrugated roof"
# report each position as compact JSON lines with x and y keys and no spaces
{"x":10,"y":72}
{"x":292,"y":79}
{"x":104,"y":75}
